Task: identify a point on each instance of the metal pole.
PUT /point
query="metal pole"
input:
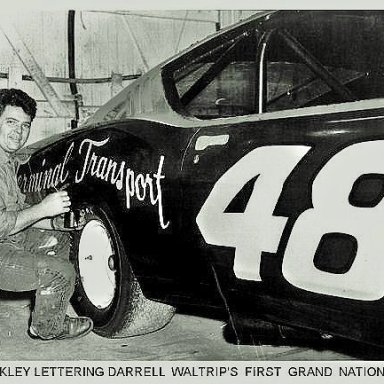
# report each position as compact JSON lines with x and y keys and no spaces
{"x":71,"y":64}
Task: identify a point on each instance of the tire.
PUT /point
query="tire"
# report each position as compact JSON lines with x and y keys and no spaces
{"x":106,"y":288}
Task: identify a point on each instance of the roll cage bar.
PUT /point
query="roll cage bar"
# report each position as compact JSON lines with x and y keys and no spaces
{"x":302,"y":53}
{"x":262,"y":49}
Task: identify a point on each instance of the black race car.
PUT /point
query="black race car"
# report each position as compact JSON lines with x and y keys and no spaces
{"x":245,"y":174}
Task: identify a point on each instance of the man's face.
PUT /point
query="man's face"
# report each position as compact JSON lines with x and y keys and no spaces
{"x":15,"y":125}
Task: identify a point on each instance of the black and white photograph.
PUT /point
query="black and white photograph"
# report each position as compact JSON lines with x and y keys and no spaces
{"x":195,"y":185}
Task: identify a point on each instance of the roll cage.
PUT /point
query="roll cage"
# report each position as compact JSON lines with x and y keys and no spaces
{"x":187,"y":81}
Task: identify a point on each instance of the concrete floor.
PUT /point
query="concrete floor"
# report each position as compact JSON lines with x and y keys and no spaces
{"x":185,"y":338}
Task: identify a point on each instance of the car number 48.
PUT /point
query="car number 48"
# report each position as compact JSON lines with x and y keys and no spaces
{"x":257,"y":230}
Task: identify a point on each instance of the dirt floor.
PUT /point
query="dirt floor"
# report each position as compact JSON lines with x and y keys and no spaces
{"x":185,"y":338}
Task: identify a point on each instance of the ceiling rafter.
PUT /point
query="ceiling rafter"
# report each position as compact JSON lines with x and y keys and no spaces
{"x":31,"y":65}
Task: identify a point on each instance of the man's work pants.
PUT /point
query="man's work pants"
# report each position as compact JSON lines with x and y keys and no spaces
{"x":40,"y":262}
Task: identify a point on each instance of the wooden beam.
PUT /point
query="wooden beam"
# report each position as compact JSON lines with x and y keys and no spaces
{"x":31,"y":65}
{"x":15,"y":75}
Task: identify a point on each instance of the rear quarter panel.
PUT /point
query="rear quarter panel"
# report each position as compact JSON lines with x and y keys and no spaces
{"x":270,"y":264}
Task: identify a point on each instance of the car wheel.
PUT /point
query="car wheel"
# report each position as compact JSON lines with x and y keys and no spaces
{"x":106,"y":288}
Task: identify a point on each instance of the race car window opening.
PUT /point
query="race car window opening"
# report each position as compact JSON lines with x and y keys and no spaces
{"x":185,"y":70}
{"x":297,"y":70}
{"x":298,"y":79}
{"x":239,"y":79}
{"x":317,"y":67}
{"x":210,"y":73}
{"x":206,"y":87}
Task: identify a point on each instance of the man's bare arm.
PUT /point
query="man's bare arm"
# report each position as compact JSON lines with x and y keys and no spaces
{"x":45,"y":223}
{"x":52,"y":205}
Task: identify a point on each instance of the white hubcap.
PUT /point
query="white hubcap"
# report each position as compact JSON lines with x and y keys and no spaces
{"x":97,"y":264}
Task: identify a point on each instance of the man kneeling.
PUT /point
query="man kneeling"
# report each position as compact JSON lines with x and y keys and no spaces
{"x":32,"y":259}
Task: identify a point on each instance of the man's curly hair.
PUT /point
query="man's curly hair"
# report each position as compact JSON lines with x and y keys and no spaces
{"x":17,"y":98}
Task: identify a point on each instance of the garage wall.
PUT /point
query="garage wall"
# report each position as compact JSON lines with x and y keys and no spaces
{"x":108,"y":45}
{"x":131,"y":44}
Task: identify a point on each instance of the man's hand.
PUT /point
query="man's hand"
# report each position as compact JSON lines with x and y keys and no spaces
{"x":55,"y":204}
{"x":39,"y":215}
{"x":57,"y":222}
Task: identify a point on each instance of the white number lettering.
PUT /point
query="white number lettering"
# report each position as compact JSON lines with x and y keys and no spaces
{"x":332,"y":212}
{"x":256,"y":230}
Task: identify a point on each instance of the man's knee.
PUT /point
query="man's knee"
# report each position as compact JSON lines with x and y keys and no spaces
{"x":57,"y":266}
{"x":67,"y":269}
{"x":51,"y":243}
